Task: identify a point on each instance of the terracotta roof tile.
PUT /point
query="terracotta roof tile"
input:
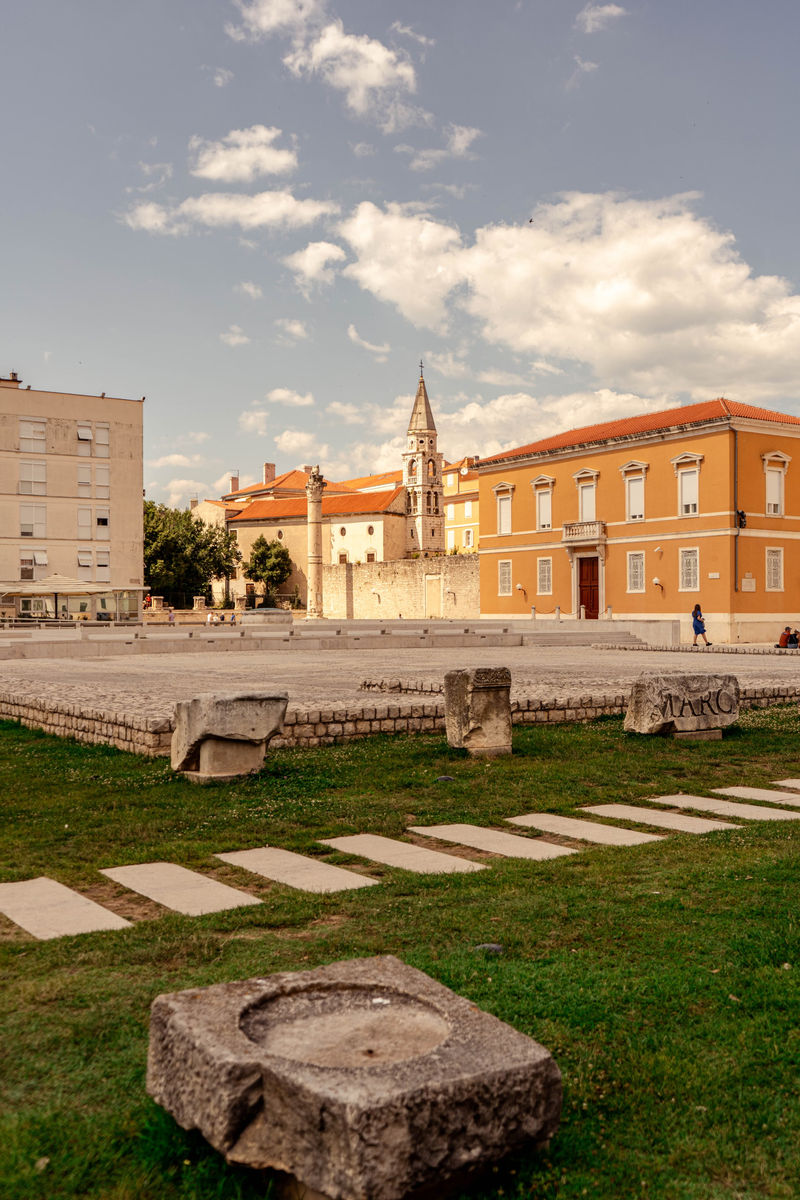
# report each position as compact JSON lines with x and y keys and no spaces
{"x":689,"y":414}
{"x":269,"y":509}
{"x":388,"y":477}
{"x":293,"y":480}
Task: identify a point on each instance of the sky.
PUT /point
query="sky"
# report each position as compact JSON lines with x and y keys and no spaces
{"x":262,"y":214}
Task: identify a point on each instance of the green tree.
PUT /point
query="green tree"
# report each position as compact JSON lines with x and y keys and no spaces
{"x":182,"y":554}
{"x":269,"y":563}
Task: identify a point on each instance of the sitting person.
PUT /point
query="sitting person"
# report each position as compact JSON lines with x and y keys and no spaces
{"x":794,"y":640}
{"x":783,"y":640}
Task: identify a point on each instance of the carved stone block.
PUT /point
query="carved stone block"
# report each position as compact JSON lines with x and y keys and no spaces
{"x":221,"y":735}
{"x":682,"y":704}
{"x":477,"y":710}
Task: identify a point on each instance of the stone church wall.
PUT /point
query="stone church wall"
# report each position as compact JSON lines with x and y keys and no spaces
{"x":443,"y":585}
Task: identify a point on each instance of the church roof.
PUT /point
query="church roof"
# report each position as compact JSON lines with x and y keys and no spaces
{"x":421,"y":415}
{"x":289,"y":481}
{"x":357,"y":503}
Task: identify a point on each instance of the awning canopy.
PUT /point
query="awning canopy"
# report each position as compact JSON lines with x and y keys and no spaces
{"x":58,"y":585}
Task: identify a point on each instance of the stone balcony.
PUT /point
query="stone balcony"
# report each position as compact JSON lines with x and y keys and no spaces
{"x":578,"y":533}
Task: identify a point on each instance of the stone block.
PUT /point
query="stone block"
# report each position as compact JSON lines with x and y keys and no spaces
{"x":478,"y":710}
{"x":365,"y":1080}
{"x":221,"y":735}
{"x":670,"y":704}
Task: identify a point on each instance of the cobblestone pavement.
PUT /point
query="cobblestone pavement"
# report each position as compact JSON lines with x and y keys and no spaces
{"x":150,"y":684}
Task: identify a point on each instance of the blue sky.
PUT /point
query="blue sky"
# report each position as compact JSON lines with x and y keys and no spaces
{"x":261,"y":214}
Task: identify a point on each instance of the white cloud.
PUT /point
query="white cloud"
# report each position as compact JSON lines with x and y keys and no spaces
{"x":220,"y":76}
{"x":156,"y":174}
{"x":582,"y":67}
{"x":255,"y":420}
{"x":242,"y":155}
{"x":292,"y":329}
{"x":216,"y":210}
{"x":178,"y":492}
{"x":48,"y":354}
{"x":650,"y":296}
{"x":459,"y":139}
{"x":311,"y":266}
{"x":407,"y":31}
{"x":300,"y":442}
{"x":380,"y":352}
{"x":177,"y":460}
{"x":260,"y":18}
{"x":349,"y":413}
{"x":282,"y":395}
{"x":234,"y":335}
{"x":362,"y":149}
{"x":196,"y":437}
{"x":595,"y":17}
{"x":247,"y":288}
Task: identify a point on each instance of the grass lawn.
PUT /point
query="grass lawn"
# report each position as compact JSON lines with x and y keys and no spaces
{"x":663,"y":977}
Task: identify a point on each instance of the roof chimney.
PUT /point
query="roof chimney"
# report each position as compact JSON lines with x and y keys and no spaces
{"x":234,"y":483}
{"x":193,"y":501}
{"x":12,"y":381}
{"x":269,"y":472}
{"x":308,"y":470}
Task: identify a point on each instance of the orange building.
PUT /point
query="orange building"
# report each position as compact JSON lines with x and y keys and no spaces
{"x":647,"y":516}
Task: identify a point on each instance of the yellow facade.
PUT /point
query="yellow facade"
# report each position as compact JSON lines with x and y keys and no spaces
{"x":461,"y":508}
{"x":646,"y":526}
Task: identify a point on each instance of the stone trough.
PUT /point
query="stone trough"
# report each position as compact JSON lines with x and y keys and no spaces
{"x":364,"y":1080}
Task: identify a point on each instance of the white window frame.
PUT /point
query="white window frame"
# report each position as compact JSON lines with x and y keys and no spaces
{"x":544,"y":576}
{"x":33,"y":520}
{"x":85,"y":524}
{"x":587,"y":501}
{"x":102,"y":439}
{"x":687,"y":462}
{"x":450,"y":512}
{"x":630,"y":505}
{"x":84,"y":480}
{"x":685,"y":554}
{"x":102,"y":524}
{"x":469,"y":539}
{"x":85,"y":564}
{"x":32,"y":478}
{"x":467,"y":510}
{"x":102,"y":482}
{"x":773,"y":501}
{"x":451,"y":539}
{"x":638,"y":557}
{"x":773,"y":554}
{"x":504,"y":586}
{"x":32,"y":436}
{"x":103,"y":566}
{"x":26,"y":563}
{"x":544,"y":508}
{"x":85,"y":438}
{"x":688,"y":506}
{"x":503,"y":495}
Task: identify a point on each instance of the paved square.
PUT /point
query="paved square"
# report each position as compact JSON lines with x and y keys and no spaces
{"x":495,"y":841}
{"x":177,"y":888}
{"x":295,"y":870}
{"x":48,"y":909}
{"x":658,"y":818}
{"x":585,"y":831}
{"x":403,"y":854}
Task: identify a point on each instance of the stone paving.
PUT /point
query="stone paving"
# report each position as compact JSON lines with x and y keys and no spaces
{"x":48,"y":909}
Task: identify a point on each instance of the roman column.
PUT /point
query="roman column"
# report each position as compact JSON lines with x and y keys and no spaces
{"x":314,"y":489}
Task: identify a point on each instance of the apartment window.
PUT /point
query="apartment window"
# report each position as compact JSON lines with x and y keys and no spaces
{"x":85,"y":523}
{"x":33,"y":520}
{"x":26,"y":564}
{"x":371,"y":556}
{"x":102,"y":520}
{"x":32,"y":437}
{"x":451,"y":539}
{"x":774,"y":492}
{"x":85,"y":437}
{"x":468,"y":538}
{"x":774,"y":569}
{"x":504,"y":513}
{"x":32,"y":563}
{"x":102,"y":434}
{"x":636,"y":571}
{"x":84,"y":564}
{"x":33,"y":478}
{"x":84,"y":481}
{"x":450,"y":512}
{"x":102,"y":482}
{"x":103,"y":562}
{"x":688,"y":492}
{"x":544,"y":510}
{"x":634,"y":486}
{"x":451,"y":481}
{"x":504,"y":577}
{"x":689,"y":570}
{"x":467,"y":510}
{"x":587,"y":502}
{"x":544,"y":576}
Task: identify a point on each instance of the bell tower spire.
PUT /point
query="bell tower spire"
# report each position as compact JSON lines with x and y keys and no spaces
{"x":422,"y":478}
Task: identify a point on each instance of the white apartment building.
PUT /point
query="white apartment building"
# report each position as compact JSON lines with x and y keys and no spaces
{"x":70,"y":501}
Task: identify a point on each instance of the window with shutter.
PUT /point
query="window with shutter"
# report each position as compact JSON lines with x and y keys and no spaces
{"x":504,"y":577}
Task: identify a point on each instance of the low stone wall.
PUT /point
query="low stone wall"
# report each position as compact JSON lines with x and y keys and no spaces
{"x":325,"y":727}
{"x":445,"y":585}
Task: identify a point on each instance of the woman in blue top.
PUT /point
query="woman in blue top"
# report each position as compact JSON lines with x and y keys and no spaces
{"x":699,"y":625}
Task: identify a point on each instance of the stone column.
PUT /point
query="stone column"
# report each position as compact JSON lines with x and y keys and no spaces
{"x":314,"y":489}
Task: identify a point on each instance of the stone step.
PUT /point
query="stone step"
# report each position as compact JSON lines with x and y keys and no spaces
{"x":495,"y":841}
{"x":296,"y":870}
{"x":794,"y":784}
{"x":405,"y":855}
{"x":584,"y":831}
{"x":726,"y":808}
{"x":48,"y":909}
{"x":658,"y":818}
{"x":177,"y":888}
{"x":754,"y":793}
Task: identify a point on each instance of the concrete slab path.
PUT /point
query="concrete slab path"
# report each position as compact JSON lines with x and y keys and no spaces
{"x":403,"y":854}
{"x":765,"y":794}
{"x":794,"y":784}
{"x":584,"y":831}
{"x":655,"y":816}
{"x":48,"y":909}
{"x":494,"y":841}
{"x":727,"y":808}
{"x":296,"y":870}
{"x":177,"y":888}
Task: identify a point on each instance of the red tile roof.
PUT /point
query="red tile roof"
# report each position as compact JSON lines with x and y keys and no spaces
{"x":387,"y":477}
{"x":269,"y":510}
{"x":289,"y":481}
{"x":671,"y":418}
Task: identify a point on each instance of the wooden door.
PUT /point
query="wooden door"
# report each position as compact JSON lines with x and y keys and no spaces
{"x":589,"y":586}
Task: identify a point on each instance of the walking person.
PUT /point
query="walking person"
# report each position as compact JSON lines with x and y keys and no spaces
{"x":699,"y":626}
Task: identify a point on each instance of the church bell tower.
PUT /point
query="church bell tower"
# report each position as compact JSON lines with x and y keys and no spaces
{"x":422,"y":479}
